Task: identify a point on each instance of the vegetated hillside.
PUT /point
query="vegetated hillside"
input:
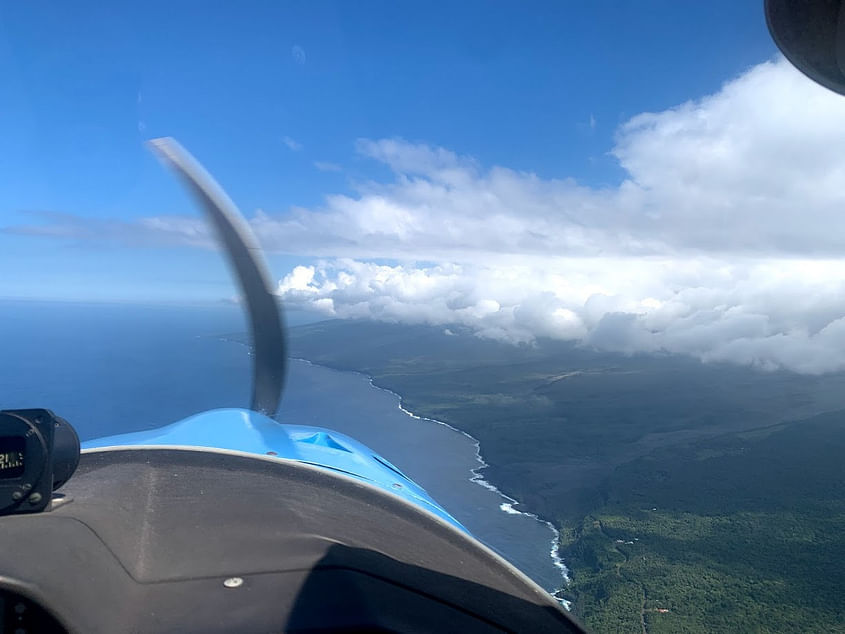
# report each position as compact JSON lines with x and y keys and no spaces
{"x":744,"y":532}
{"x":594,"y":441}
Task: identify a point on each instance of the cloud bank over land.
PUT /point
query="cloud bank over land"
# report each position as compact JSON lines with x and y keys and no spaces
{"x":768,"y":313}
{"x":725,"y":240}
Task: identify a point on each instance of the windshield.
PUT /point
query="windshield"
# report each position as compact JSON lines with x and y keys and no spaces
{"x":575,"y":269}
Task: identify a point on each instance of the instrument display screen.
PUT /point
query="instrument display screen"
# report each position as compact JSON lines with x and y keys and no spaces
{"x":11,"y":456}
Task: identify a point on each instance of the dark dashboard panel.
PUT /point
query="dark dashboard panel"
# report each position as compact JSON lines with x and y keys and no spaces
{"x":167,"y":540}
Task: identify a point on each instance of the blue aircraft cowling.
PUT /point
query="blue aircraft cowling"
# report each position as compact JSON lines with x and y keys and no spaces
{"x":248,"y":431}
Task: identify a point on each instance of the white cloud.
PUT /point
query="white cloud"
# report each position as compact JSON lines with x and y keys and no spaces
{"x":756,"y":167}
{"x":753,"y":169}
{"x":724,"y":241}
{"x":765,"y":312}
{"x":292,"y":144}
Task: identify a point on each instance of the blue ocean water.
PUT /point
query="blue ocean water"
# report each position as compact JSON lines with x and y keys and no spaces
{"x":110,"y":368}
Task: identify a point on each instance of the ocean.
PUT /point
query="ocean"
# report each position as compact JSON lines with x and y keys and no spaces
{"x":115,"y":368}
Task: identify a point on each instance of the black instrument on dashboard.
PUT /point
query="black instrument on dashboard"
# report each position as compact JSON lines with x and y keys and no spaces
{"x":38,"y":453}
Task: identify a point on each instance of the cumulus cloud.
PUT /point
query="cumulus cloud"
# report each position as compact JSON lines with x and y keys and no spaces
{"x":724,"y":240}
{"x":753,"y":169}
{"x":765,"y":312}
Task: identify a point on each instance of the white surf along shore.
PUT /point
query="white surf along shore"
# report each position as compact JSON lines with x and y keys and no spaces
{"x":508,"y":504}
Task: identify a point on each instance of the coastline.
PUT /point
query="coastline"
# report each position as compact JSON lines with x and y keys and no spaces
{"x":507,"y":506}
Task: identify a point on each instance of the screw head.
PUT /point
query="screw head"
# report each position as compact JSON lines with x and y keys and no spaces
{"x":35,"y":498}
{"x":233,"y":582}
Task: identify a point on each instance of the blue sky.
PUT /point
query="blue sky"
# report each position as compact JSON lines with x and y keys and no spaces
{"x":535,"y":87}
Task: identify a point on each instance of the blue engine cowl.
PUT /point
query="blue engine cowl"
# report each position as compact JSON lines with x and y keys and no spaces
{"x":247,"y":431}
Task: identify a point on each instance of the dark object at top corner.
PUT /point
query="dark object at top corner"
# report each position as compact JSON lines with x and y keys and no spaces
{"x":811,"y":35}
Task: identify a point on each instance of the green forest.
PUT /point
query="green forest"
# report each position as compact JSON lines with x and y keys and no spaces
{"x":690,"y":497}
{"x":741,"y":533}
